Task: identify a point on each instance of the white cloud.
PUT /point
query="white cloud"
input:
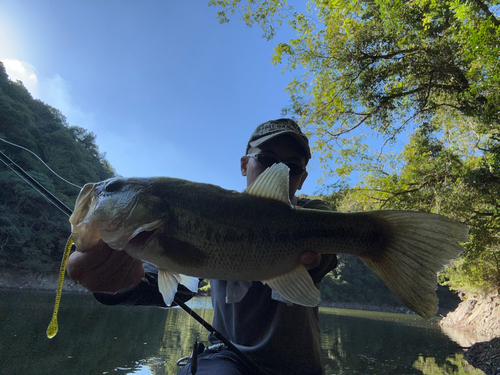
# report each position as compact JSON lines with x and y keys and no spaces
{"x":56,"y":92}
{"x":53,"y":91}
{"x":22,"y":71}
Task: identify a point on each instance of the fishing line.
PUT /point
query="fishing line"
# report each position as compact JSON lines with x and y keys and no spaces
{"x":52,"y":329}
{"x":31,"y":152}
{"x":35,"y":184}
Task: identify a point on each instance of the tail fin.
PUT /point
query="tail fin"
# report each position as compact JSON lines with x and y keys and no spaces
{"x":420,"y":245}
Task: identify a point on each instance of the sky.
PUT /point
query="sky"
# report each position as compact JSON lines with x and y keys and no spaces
{"x":166,"y":89}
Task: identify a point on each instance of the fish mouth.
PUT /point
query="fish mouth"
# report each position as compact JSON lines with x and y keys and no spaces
{"x":108,"y":218}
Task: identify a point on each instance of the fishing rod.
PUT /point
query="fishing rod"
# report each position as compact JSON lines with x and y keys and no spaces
{"x":247,"y":361}
{"x":67,"y":211}
{"x":35,"y":184}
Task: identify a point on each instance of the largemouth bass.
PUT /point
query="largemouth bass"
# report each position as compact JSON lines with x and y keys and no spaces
{"x":193,"y":230}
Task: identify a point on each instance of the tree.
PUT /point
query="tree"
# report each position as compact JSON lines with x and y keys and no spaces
{"x":32,"y":231}
{"x":436,"y":177}
{"x":382,"y":66}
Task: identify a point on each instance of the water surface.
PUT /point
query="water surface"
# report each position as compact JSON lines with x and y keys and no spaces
{"x":98,"y":339}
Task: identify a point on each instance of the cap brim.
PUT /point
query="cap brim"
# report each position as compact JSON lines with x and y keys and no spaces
{"x":299,"y":139}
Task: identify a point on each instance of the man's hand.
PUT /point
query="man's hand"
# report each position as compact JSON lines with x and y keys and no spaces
{"x":310,"y":259}
{"x":102,"y":269}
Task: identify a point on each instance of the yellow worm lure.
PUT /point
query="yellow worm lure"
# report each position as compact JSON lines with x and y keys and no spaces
{"x":53,"y":328}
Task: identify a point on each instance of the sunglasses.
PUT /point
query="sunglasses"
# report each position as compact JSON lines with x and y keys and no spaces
{"x":266,"y":160}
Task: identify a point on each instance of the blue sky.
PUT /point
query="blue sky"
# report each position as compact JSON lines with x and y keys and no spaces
{"x":167,"y":90}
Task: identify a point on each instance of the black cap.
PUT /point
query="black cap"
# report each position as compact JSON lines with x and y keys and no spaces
{"x":274,"y":128}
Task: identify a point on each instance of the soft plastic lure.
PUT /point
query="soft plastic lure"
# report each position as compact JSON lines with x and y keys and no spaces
{"x":53,"y":327}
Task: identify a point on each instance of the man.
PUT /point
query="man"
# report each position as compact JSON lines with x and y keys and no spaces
{"x":282,"y":338}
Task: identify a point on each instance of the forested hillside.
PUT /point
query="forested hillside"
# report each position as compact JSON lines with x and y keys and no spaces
{"x":32,"y":231}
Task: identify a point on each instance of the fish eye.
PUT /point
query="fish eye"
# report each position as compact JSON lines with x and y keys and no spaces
{"x":114,"y":185}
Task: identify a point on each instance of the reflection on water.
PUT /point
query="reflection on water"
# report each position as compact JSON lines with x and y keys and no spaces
{"x":464,"y":338}
{"x":362,"y":342}
{"x":97,"y":339}
{"x":92,"y":338}
{"x":455,"y":365}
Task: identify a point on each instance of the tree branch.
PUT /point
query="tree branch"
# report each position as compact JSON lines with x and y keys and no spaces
{"x":487,"y":11}
{"x":389,"y":55}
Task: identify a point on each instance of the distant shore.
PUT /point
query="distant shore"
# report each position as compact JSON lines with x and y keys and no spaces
{"x":20,"y":279}
{"x":13,"y":279}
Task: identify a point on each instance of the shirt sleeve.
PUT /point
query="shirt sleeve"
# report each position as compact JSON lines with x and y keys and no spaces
{"x":316,"y":204}
{"x":145,"y":294}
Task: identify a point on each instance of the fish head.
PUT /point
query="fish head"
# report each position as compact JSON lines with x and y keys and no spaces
{"x":117,"y":211}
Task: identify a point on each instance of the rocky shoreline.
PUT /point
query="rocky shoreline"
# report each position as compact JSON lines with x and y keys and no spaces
{"x":478,"y":322}
{"x":19,"y":279}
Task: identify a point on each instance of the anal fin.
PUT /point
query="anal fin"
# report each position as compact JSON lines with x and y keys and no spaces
{"x":296,"y":286}
{"x":189,"y":282}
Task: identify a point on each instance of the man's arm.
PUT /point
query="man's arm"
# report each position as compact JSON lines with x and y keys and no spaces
{"x":102,"y":269}
{"x":144,"y":294}
{"x":116,"y":278}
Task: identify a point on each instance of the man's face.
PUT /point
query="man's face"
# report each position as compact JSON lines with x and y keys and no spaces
{"x":286,"y":149}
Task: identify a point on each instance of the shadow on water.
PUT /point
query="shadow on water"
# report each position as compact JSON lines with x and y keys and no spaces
{"x":97,"y":339}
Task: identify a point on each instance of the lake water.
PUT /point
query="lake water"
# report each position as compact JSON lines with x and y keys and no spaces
{"x":97,"y":339}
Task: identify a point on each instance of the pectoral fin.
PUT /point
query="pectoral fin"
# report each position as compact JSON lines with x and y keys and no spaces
{"x":296,"y":286}
{"x":168,"y":283}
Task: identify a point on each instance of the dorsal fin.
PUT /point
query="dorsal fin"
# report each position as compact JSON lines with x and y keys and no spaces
{"x":273,"y":183}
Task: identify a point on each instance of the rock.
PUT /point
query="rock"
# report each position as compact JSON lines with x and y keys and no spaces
{"x":485,"y":356}
{"x":476,"y":324}
{"x":481,"y":316}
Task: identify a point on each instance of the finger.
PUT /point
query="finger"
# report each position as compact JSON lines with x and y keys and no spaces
{"x":310,"y":259}
{"x":103,"y":269}
{"x":123,"y":271}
